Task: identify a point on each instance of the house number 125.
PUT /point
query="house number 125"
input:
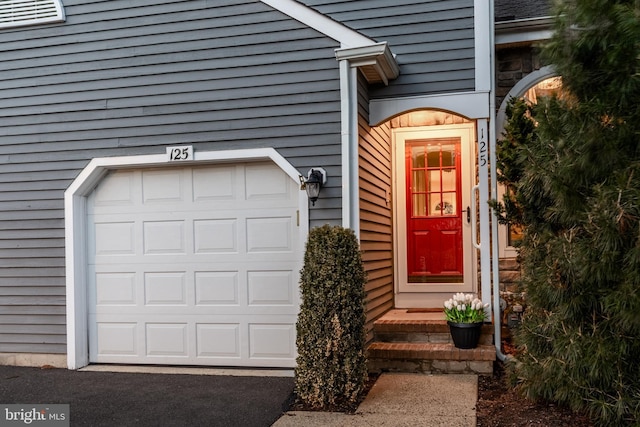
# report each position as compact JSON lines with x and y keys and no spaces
{"x":482,"y":149}
{"x":179,"y":154}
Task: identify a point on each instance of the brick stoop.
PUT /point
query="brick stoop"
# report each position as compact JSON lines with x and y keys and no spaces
{"x":420,"y":342}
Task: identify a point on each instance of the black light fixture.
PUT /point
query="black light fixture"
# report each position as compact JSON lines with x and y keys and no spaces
{"x":316,"y":178}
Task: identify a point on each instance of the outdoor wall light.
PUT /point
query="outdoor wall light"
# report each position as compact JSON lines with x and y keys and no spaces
{"x":316,"y":178}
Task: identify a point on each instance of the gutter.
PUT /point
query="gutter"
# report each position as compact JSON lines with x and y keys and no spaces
{"x":523,"y":30}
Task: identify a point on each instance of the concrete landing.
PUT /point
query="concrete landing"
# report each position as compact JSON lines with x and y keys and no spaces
{"x":400,"y":400}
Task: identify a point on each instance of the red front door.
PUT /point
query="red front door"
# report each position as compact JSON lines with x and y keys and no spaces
{"x":434,"y":211}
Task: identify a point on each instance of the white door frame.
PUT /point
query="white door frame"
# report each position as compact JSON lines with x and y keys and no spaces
{"x":432,"y":294}
{"x":75,"y":205}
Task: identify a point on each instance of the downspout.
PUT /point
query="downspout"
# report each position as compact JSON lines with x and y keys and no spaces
{"x":349,"y":142}
{"x":378,"y":65}
{"x":495,"y":270}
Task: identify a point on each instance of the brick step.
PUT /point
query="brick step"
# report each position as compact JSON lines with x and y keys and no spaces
{"x":421,"y":330}
{"x":415,"y":341}
{"x":430,"y":358}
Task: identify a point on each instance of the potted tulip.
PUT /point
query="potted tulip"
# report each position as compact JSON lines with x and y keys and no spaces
{"x":465,"y":315}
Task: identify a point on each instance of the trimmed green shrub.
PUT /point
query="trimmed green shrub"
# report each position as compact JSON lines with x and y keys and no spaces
{"x":331,"y":365}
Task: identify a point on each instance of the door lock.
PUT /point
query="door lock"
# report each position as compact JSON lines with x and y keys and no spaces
{"x":468,"y":214}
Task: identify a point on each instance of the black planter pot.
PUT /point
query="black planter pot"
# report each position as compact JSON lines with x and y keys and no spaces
{"x":465,"y":335}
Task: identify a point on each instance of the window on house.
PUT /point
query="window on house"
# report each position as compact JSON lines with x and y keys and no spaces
{"x":18,"y":13}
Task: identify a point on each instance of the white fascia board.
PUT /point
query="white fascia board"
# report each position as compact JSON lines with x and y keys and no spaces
{"x":528,"y":37}
{"x":347,"y":37}
{"x":376,"y":61}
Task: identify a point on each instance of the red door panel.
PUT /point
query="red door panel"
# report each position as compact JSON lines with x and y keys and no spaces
{"x":434,"y":211}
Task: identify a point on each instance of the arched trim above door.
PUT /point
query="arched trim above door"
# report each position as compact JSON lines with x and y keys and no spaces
{"x":519,"y":90}
{"x":472,"y":105}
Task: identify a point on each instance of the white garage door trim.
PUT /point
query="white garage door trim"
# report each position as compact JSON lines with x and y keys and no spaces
{"x":76,"y":229}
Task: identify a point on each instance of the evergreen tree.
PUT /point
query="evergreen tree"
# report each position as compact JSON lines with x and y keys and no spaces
{"x":575,"y":178}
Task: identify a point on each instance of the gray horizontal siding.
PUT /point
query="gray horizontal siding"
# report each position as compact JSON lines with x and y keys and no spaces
{"x":129,"y":78}
{"x":433,"y":40}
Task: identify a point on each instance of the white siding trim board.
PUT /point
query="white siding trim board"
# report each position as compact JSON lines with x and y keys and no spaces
{"x":484,"y":54}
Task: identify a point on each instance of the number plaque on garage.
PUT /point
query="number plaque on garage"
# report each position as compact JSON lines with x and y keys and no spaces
{"x":180,"y":153}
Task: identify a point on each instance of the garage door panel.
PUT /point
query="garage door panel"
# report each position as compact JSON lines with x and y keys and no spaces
{"x":162,"y":186}
{"x":270,"y":288}
{"x":212,"y":261}
{"x":212,"y":336}
{"x":203,"y":262}
{"x":165,"y":288}
{"x":109,"y":313}
{"x":216,"y":288}
{"x":117,"y":192}
{"x":271,"y":341}
{"x":215,"y":236}
{"x":115,"y":238}
{"x":215,"y":184}
{"x":167,"y":339}
{"x":117,"y":338}
{"x":198,"y":262}
{"x":164,"y":237}
{"x":193,"y":275}
{"x":218,"y":340}
{"x":115,"y":288}
{"x":210,"y":293}
{"x":268,"y":234}
{"x":264,"y":182}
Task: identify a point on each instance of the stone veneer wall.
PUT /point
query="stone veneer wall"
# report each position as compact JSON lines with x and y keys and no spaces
{"x":514,"y":63}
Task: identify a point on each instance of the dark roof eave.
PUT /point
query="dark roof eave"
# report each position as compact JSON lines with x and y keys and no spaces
{"x":523,"y":30}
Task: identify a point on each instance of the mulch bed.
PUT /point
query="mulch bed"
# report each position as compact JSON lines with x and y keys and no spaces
{"x":501,"y":406}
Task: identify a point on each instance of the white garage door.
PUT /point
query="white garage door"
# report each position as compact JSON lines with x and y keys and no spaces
{"x":195,"y":266}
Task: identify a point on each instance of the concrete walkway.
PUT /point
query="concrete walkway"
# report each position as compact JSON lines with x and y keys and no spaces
{"x":400,"y":400}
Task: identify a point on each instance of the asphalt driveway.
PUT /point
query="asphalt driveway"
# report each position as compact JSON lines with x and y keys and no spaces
{"x":133,"y":399}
